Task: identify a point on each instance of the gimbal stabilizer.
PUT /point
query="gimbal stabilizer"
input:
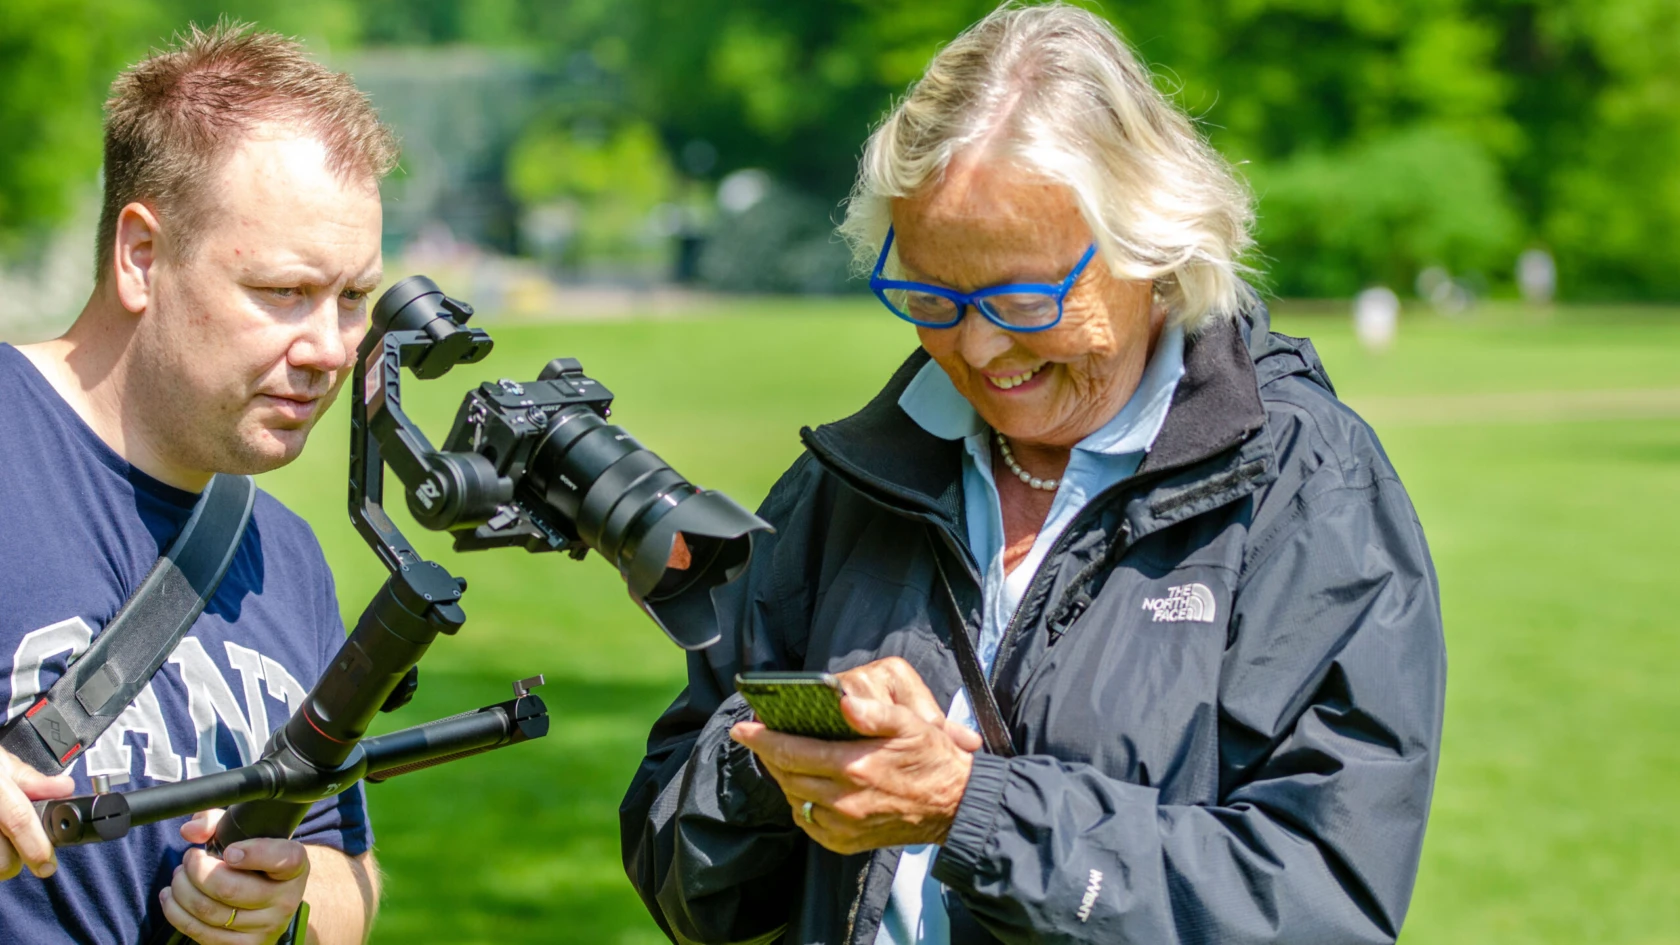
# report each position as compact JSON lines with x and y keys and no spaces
{"x":531,"y":465}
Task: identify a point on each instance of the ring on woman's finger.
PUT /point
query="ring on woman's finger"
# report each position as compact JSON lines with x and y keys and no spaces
{"x":805,"y":812}
{"x":229,"y":923}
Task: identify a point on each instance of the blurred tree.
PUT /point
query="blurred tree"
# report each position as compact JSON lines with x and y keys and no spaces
{"x":1597,"y":91}
{"x":1466,"y":126}
{"x":1469,"y":127}
{"x":593,"y":189}
{"x":792,"y":87}
{"x":1372,"y":131}
{"x":1381,"y":211}
{"x":56,"y":61}
{"x":561,"y":28}
{"x":325,"y":26}
{"x":782,"y":242}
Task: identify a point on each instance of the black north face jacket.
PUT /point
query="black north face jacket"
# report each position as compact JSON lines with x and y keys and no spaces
{"x":1224,"y":685}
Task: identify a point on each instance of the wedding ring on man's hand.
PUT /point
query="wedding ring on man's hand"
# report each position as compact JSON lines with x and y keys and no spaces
{"x":805,"y":812}
{"x":229,"y":923}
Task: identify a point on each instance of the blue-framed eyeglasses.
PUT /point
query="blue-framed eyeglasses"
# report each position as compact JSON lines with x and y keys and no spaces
{"x":1021,"y":306}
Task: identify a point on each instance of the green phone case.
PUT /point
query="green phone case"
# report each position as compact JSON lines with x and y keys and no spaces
{"x":797,"y":703}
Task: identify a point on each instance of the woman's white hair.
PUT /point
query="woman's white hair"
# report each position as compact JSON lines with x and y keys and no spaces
{"x":1057,"y":90}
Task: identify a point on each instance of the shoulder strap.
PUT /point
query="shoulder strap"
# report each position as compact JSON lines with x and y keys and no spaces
{"x":992,"y":728}
{"x":122,"y":659}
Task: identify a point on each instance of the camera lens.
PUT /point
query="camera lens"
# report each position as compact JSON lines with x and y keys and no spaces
{"x":630,"y":505}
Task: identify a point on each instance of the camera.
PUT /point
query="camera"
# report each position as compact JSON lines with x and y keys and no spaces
{"x":531,"y":464}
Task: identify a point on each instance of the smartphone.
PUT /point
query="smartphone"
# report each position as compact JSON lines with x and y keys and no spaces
{"x":797,"y":703}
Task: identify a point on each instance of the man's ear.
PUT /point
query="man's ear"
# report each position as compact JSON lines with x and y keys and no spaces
{"x":136,"y":250}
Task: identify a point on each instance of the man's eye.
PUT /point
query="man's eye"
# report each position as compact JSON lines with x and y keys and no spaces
{"x":353,"y":295}
{"x":283,"y":291}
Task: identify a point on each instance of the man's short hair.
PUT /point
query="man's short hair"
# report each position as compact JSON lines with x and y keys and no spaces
{"x":175,"y":115}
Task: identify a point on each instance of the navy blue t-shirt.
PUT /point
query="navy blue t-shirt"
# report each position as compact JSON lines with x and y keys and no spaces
{"x":79,"y":529}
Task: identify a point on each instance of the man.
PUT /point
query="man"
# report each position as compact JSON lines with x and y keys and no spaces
{"x":238,"y":243}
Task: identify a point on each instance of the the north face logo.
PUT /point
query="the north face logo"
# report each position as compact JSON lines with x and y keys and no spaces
{"x":1185,"y":602}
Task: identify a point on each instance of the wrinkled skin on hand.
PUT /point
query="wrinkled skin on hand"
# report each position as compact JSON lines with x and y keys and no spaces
{"x":899,"y":786}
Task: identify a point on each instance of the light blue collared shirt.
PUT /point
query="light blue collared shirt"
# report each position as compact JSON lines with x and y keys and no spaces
{"x":916,"y":912}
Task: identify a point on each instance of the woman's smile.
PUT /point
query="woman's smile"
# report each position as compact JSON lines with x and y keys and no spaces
{"x":1017,"y":383}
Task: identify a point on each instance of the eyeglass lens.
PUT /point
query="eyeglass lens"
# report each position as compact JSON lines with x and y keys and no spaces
{"x":1021,"y":309}
{"x":1016,"y":309}
{"x":922,"y":306}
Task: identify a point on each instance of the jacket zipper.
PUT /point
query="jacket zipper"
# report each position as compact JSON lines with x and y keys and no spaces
{"x":1105,"y":497}
{"x":1098,"y":502}
{"x":857,"y":901}
{"x":873,"y":490}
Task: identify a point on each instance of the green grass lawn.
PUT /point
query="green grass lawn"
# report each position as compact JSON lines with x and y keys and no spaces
{"x":1555,"y":816}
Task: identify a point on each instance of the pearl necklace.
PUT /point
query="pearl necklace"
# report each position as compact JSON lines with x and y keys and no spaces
{"x":1046,"y":485}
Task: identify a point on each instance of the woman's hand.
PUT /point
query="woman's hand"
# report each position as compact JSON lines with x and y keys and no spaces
{"x":899,"y":786}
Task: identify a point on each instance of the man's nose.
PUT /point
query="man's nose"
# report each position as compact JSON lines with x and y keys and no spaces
{"x":978,"y":340}
{"x":319,"y":344}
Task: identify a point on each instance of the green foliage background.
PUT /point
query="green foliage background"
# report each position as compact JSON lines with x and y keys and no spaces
{"x":1381,"y":135}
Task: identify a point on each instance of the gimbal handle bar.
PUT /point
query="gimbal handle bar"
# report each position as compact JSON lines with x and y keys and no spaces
{"x":318,"y":752}
{"x":108,"y":816}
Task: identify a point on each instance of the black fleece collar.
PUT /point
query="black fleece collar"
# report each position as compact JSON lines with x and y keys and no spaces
{"x":1217,"y":403}
{"x":880,"y":449}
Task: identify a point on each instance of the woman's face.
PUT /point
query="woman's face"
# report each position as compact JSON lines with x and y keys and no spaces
{"x":987,"y":223}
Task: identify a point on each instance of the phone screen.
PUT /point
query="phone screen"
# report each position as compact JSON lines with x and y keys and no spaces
{"x":805,"y":704}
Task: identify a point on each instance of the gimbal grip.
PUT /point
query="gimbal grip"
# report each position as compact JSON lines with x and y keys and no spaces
{"x":256,"y":819}
{"x":241,"y":822}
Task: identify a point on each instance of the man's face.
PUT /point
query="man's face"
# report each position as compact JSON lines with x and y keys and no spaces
{"x":246,"y":339}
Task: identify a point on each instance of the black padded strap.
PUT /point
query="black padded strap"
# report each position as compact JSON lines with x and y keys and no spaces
{"x":128,"y":651}
{"x":992,"y":729}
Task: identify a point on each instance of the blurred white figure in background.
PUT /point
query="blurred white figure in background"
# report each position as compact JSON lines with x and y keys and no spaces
{"x":1537,"y":276}
{"x":1376,"y":317}
{"x":1448,"y":296}
{"x":1431,"y":280}
{"x":740,"y":191}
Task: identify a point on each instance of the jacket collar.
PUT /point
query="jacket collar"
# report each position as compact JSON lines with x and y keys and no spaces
{"x":1216,"y":409}
{"x":1217,"y":404}
{"x":881,"y":450}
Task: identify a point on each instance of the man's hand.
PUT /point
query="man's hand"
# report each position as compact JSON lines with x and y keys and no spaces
{"x":22,"y":840}
{"x":899,"y":786}
{"x":263,"y":879}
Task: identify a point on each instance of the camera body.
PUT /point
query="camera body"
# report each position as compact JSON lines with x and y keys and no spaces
{"x":506,"y":422}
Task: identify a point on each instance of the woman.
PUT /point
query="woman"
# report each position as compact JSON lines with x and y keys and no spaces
{"x":1102,"y":516}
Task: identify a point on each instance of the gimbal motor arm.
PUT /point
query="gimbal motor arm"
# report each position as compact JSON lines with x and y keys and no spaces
{"x":405,"y":335}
